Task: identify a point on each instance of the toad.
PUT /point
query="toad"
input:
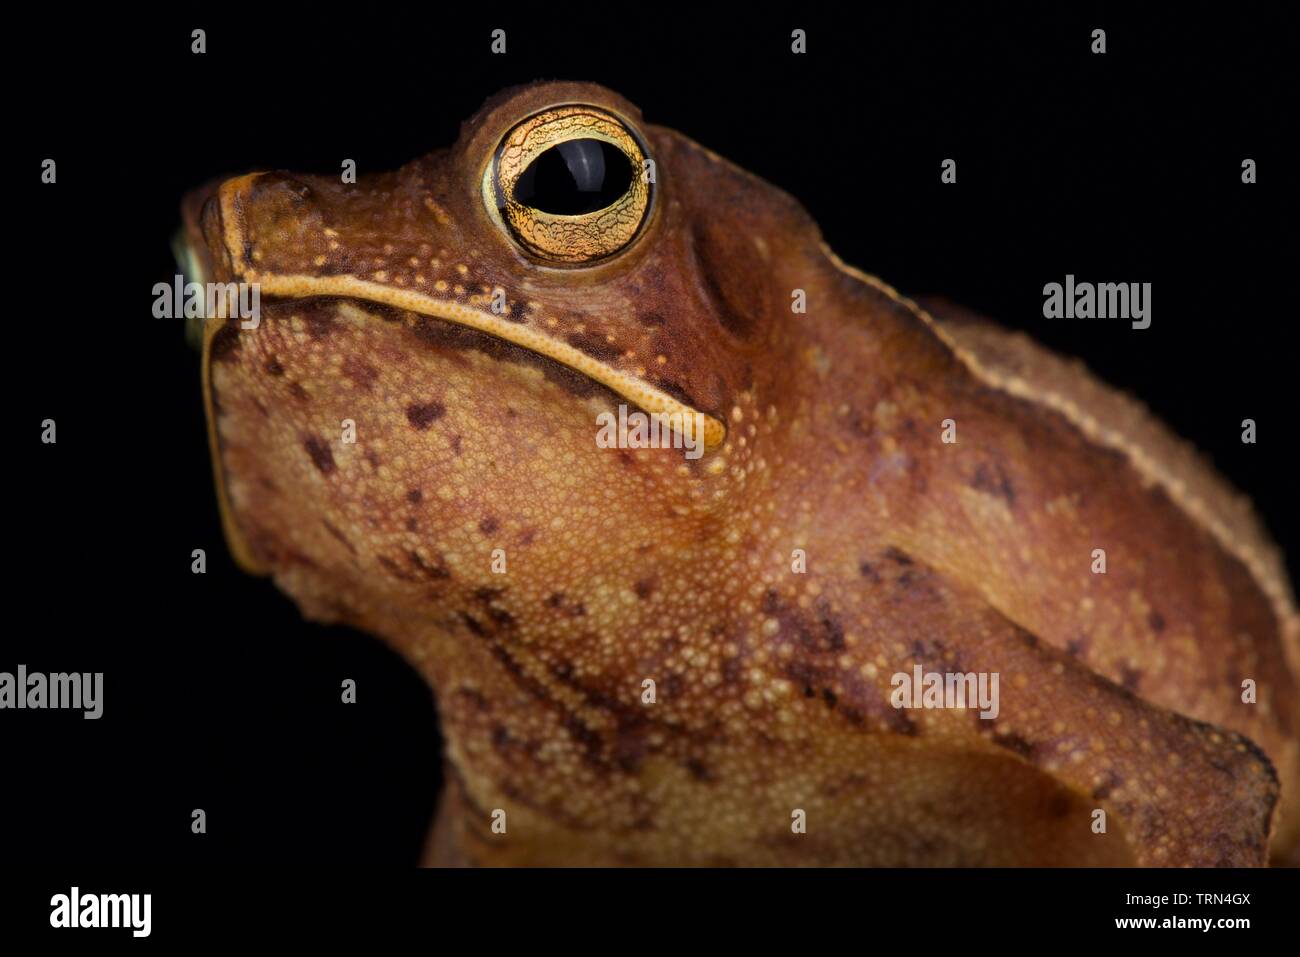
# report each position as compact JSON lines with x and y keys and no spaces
{"x":643,"y":657}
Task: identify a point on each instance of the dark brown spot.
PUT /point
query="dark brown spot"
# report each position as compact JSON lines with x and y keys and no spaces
{"x":1103,"y":791}
{"x":862,"y":425}
{"x":1014,"y":742}
{"x":832,"y":629}
{"x":361,"y":372}
{"x":437,"y":571}
{"x":225,"y":342}
{"x":558,"y":601}
{"x":897,"y":555}
{"x":1151,"y":825}
{"x":644,"y":588}
{"x":829,"y":697}
{"x":868,"y":572}
{"x":320,"y":453}
{"x":584,"y":735}
{"x":394,"y":569}
{"x":423,"y":415}
{"x":319,"y":324}
{"x":653,"y":319}
{"x":488,"y":525}
{"x":630,"y":746}
{"x":901,"y":722}
{"x":992,"y":480}
{"x":853,"y":715}
{"x":415,"y":496}
{"x":329,"y":527}
{"x":1156,"y":621}
{"x":298,"y":392}
{"x":273,"y":367}
{"x":936,"y":651}
{"x":699,"y":770}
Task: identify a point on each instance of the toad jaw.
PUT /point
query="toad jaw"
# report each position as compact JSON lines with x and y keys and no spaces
{"x":230,"y":194}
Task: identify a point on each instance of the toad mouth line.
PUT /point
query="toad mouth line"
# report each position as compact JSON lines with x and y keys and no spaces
{"x":642,"y":394}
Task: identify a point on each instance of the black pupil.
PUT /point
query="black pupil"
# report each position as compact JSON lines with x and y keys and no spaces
{"x":577,"y":176}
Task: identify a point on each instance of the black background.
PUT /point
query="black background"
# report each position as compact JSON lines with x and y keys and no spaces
{"x":1121,"y":167}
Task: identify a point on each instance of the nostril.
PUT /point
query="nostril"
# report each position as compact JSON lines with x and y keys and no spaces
{"x":283,"y":184}
{"x":278,"y":191}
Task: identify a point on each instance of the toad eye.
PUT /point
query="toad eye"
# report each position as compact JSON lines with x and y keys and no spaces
{"x":566,"y":185}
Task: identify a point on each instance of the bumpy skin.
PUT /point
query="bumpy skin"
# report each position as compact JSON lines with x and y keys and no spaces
{"x":1119,"y":691}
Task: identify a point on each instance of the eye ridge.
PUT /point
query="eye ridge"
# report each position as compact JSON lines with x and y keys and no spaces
{"x":577,"y":176}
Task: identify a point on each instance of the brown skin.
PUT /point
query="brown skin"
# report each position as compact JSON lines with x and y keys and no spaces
{"x":1118,"y":691}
